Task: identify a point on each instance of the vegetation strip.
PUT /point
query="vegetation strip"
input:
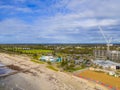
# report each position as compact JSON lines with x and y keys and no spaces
{"x":36,"y":61}
{"x":52,"y":68}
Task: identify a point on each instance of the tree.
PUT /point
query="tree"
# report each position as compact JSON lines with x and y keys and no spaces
{"x":35,"y":56}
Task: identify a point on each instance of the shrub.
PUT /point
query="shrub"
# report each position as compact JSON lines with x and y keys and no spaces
{"x":49,"y":62}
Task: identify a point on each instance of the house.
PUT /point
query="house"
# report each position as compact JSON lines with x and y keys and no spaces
{"x":79,"y":61}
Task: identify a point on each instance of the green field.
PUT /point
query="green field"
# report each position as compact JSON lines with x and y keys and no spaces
{"x":35,"y":51}
{"x":31,"y":51}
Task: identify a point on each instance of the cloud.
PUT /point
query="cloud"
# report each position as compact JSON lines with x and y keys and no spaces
{"x":19,"y":1}
{"x":12,"y":8}
{"x":60,"y":21}
{"x":98,"y":8}
{"x":71,"y":21}
{"x":58,"y":28}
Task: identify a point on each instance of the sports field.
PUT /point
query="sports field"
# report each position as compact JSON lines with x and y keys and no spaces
{"x":102,"y":77}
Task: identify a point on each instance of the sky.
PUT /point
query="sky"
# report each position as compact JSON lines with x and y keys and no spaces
{"x":59,"y":21}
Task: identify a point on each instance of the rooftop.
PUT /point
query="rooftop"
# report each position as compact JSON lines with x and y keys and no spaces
{"x":106,"y":63}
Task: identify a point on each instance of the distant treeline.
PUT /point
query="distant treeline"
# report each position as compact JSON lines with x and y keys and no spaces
{"x":59,"y":48}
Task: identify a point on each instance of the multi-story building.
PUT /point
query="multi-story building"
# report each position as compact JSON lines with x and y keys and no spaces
{"x":111,"y":55}
{"x":101,"y":54}
{"x":114,"y":56}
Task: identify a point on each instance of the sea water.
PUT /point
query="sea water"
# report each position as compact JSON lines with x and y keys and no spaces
{"x":4,"y":70}
{"x":1,"y":65}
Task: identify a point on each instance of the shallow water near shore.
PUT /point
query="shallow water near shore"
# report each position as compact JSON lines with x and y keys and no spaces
{"x":4,"y":70}
{"x":1,"y":65}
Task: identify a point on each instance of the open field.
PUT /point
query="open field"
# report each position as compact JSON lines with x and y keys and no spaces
{"x":31,"y":51}
{"x":102,"y":77}
{"x":36,"y":51}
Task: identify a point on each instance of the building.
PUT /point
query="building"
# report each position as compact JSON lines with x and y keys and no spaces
{"x":47,"y":58}
{"x":111,"y":55}
{"x":111,"y":73}
{"x":51,"y":58}
{"x":107,"y":64}
{"x":79,"y":61}
{"x":59,"y":59}
{"x":102,"y":54}
{"x":114,"y":56}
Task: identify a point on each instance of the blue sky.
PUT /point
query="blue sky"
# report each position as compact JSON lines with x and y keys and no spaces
{"x":59,"y":21}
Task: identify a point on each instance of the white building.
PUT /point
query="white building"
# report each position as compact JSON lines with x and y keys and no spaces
{"x":47,"y":58}
{"x":107,"y":64}
{"x":114,"y":55}
{"x":111,"y":73}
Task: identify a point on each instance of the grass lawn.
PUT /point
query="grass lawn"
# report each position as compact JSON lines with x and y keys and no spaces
{"x":102,"y":77}
{"x":52,"y":68}
{"x":72,"y":69}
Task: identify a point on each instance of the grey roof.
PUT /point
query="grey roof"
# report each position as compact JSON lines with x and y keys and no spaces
{"x":105,"y":63}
